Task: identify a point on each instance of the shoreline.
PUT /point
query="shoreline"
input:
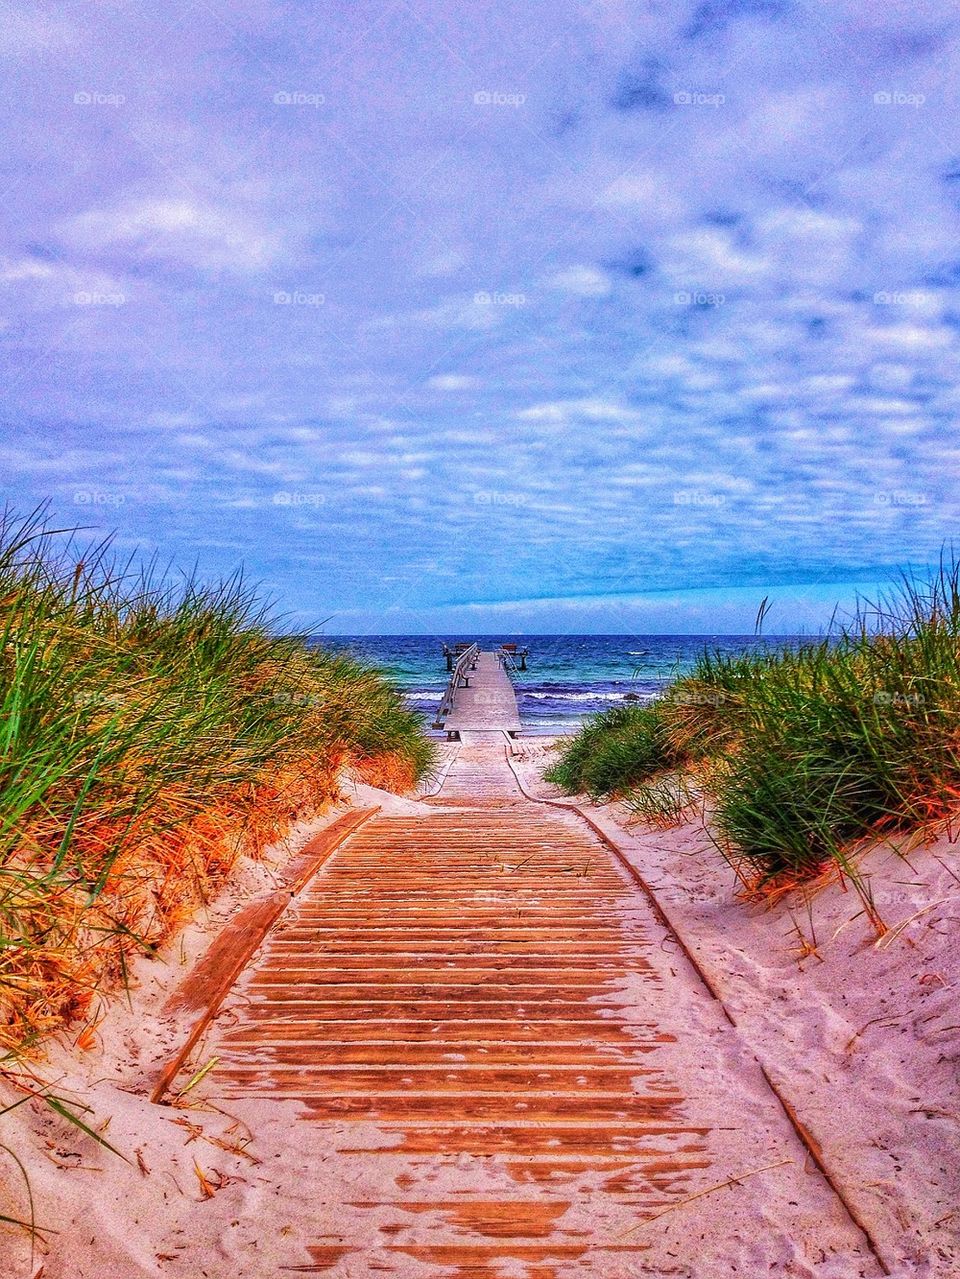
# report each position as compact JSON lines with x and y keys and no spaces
{"x":568,"y":677}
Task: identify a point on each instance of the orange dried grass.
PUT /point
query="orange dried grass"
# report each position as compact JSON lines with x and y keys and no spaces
{"x":77,"y":944}
{"x":388,"y":771}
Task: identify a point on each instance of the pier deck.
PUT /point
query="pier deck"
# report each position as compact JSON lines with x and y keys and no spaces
{"x":488,"y":703}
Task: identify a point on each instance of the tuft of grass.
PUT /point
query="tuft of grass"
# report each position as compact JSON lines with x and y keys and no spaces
{"x":666,"y":800}
{"x":149,"y":734}
{"x":858,"y":735}
{"x":613,"y":750}
{"x":812,"y":748}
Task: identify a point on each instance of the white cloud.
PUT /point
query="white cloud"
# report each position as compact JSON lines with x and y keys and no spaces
{"x":446,"y":263}
{"x":915,"y":336}
{"x":23,"y":30}
{"x":596,"y":410}
{"x":584,"y":281}
{"x":24,"y":269}
{"x":170,"y":420}
{"x":634,"y":189}
{"x":710,"y":258}
{"x":453,"y":382}
{"x":203,"y":236}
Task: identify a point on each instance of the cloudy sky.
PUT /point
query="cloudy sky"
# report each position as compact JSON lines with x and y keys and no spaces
{"x":545,"y":316}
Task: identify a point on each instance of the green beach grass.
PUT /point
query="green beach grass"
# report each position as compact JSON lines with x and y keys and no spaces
{"x":150,"y":734}
{"x":804,"y":750}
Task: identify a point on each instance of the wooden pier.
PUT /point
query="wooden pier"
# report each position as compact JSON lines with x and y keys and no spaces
{"x":480,"y":696}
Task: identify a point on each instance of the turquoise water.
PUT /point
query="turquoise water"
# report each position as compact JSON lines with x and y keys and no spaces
{"x":568,"y":676}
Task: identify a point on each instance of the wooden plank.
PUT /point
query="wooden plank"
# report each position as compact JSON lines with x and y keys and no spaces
{"x":508,"y":1036}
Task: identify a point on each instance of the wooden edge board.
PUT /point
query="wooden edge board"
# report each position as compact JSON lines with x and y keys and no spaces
{"x":213,"y":976}
{"x":442,"y":775}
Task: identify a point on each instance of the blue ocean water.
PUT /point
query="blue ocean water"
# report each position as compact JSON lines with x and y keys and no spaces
{"x":568,"y":678}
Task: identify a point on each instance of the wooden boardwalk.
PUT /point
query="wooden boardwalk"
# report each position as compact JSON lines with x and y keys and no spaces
{"x":488,"y":703}
{"x":488,"y":1065}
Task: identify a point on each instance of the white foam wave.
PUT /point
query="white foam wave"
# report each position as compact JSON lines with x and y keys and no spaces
{"x":580,"y":697}
{"x":423,"y":694}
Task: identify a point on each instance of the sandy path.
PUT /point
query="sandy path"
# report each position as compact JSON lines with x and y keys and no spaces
{"x":471,"y":1049}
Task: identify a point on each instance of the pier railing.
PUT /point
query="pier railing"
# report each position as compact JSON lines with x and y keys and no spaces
{"x":513,"y":659}
{"x":458,"y":679}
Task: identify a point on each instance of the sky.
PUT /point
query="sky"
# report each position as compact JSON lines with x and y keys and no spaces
{"x":527,"y":317}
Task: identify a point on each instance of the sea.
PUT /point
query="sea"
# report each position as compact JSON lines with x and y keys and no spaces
{"x":568,"y":677}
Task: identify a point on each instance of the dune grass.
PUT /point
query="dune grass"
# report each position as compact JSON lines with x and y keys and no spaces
{"x":810,"y":748}
{"x":667,"y":799}
{"x":150,"y":734}
{"x":612,"y":750}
